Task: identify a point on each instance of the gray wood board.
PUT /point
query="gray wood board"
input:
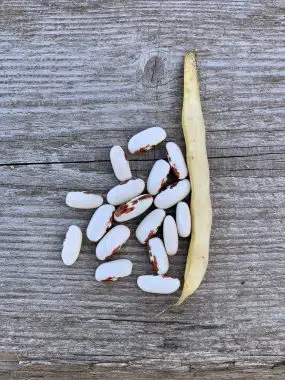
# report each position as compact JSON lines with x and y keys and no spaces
{"x":78,"y":77}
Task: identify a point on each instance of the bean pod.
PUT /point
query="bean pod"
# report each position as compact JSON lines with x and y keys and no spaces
{"x":112,"y":242}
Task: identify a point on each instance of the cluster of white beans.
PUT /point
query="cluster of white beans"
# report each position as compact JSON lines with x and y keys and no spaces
{"x":126,"y":201}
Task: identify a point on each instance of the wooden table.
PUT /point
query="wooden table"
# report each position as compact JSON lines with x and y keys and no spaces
{"x":80,"y":76}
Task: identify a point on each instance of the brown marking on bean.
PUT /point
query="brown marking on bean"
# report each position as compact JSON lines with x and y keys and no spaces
{"x":124,"y":209}
{"x":150,"y":235}
{"x":115,"y":250}
{"x":144,"y":149}
{"x":88,"y":192}
{"x":154,"y":264}
{"x":109,"y":279}
{"x":145,"y":196}
{"x":173,"y":185}
{"x":124,"y":182}
{"x":176,"y":171}
{"x":163,"y":183}
{"x":110,"y":222}
{"x":173,"y":167}
{"x":141,"y":198}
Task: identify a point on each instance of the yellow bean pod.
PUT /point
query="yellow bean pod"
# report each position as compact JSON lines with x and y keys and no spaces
{"x":196,"y":155}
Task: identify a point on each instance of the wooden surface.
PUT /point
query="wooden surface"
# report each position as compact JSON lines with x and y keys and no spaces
{"x":79,"y":76}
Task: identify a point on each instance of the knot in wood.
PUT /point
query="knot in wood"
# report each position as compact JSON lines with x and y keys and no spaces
{"x":153,"y":71}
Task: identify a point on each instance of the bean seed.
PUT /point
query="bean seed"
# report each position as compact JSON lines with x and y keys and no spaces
{"x":113,"y":270}
{"x":124,"y":192}
{"x":100,"y":222}
{"x":183,"y":219}
{"x":158,"y":284}
{"x":133,"y":208}
{"x":149,"y":225}
{"x":83,"y":200}
{"x":158,"y":256}
{"x":170,"y":235}
{"x":172,"y":194}
{"x":146,"y":139}
{"x":71,"y":245}
{"x":176,"y":160}
{"x":112,"y":242}
{"x":120,"y":164}
{"x":157,"y":176}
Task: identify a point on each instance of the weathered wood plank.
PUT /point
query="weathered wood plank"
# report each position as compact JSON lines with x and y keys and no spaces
{"x":14,"y":370}
{"x":255,"y":148}
{"x":70,"y":72}
{"x":77,"y":77}
{"x":78,"y":320}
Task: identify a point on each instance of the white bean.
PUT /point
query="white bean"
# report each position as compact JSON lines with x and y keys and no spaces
{"x":113,"y":270}
{"x":157,"y":176}
{"x":112,"y":242}
{"x":172,"y":194}
{"x":149,"y":225}
{"x":124,"y":192}
{"x":133,"y":208}
{"x":158,"y":284}
{"x":183,"y":219}
{"x":158,"y":256}
{"x":146,"y":139}
{"x":170,"y":235}
{"x":100,"y":222}
{"x":71,"y":245}
{"x":83,"y":199}
{"x":176,"y":160}
{"x":120,"y":164}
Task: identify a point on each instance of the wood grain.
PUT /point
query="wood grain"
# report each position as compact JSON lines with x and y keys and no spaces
{"x":78,"y":77}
